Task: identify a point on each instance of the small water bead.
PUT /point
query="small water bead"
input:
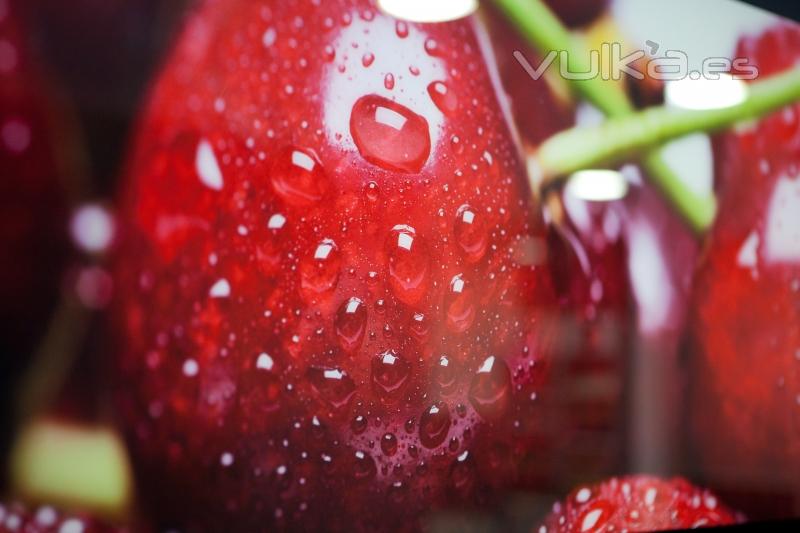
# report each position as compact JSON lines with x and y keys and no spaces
{"x":444,"y":374}
{"x":419,"y":327}
{"x":329,"y":53}
{"x":459,"y":305}
{"x":368,"y":59}
{"x":298,"y":176}
{"x":470,"y":233}
{"x":409,"y":264}
{"x":490,"y":390}
{"x":372,"y":191}
{"x":401,"y":28}
{"x":409,"y":425}
{"x":359,"y":424}
{"x":443,"y":97}
{"x":319,"y":272}
{"x":388,"y":81}
{"x":389,"y":444}
{"x":350,"y":324}
{"x":434,"y":424}
{"x":333,"y":385}
{"x":390,"y":373}
{"x":413,"y":70}
{"x":432,"y":47}
{"x":390,"y":135}
{"x":364,"y":467}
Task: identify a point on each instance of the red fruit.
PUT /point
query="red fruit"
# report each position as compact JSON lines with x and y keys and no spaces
{"x":15,"y":518}
{"x":589,"y":256}
{"x":537,"y":111}
{"x":637,"y":503}
{"x":32,"y":199}
{"x":333,"y":305}
{"x":746,"y":390}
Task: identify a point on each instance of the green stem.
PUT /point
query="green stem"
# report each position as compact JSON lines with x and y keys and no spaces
{"x":622,"y":138}
{"x":544,"y":31}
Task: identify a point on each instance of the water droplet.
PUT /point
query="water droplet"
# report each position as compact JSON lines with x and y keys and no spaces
{"x":329,"y":53}
{"x":444,"y":374}
{"x":319,"y":272}
{"x":390,"y":373}
{"x":372,"y":191}
{"x":413,"y":70}
{"x":594,"y":518}
{"x":388,"y":81}
{"x":190,"y":368}
{"x":443,"y":97}
{"x":419,"y":327}
{"x":368,"y":59}
{"x":409,"y":264}
{"x":401,"y":28}
{"x":462,"y":473}
{"x":470,"y":233}
{"x":359,"y":424}
{"x":350,"y":324}
{"x":432,"y":47}
{"x":390,"y":135}
{"x":364,"y":467}
{"x":434,"y":425}
{"x":459,"y":305}
{"x":389,"y":444}
{"x":456,"y":145}
{"x":490,"y":390}
{"x":298,"y":177}
{"x":333,"y":385}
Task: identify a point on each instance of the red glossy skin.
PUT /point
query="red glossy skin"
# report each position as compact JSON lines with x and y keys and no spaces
{"x":15,"y":518}
{"x":637,"y":503}
{"x":586,"y":252}
{"x":284,"y":325}
{"x":32,"y":199}
{"x":537,"y":112}
{"x":589,"y":254}
{"x":746,"y":333}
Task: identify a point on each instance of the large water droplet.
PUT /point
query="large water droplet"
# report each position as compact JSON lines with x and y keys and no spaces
{"x":298,"y":177}
{"x":364,"y":466}
{"x":434,"y":425}
{"x":333,"y":385}
{"x":490,"y":390}
{"x":319,"y":272}
{"x":390,"y":373}
{"x":389,"y":444}
{"x":444,"y":98}
{"x":470,"y":233}
{"x":409,"y":264}
{"x":350,"y":323}
{"x":390,"y":135}
{"x":459,"y":305}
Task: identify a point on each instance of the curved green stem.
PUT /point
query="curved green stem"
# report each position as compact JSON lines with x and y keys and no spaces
{"x":622,"y":138}
{"x":544,"y":31}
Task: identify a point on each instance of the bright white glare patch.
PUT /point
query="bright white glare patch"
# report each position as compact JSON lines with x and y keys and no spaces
{"x":92,"y":228}
{"x":220,"y":289}
{"x":597,"y":185}
{"x":393,"y":119}
{"x":704,"y":93}
{"x":207,"y":167}
{"x":428,"y":10}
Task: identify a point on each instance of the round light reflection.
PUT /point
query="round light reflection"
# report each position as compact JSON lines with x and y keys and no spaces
{"x":597,"y":185}
{"x":428,"y":10}
{"x":704,"y":93}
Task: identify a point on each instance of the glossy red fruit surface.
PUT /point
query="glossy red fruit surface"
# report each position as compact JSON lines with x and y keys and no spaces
{"x":16,"y":517}
{"x":746,"y":392}
{"x":637,"y":503}
{"x":333,"y":299}
{"x":32,"y":199}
